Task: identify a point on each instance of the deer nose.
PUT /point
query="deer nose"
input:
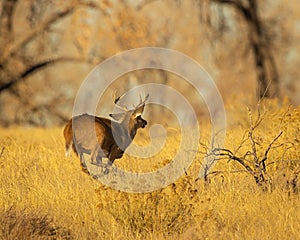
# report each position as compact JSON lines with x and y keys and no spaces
{"x":144,"y":123}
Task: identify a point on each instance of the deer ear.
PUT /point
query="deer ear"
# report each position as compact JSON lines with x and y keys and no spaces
{"x":138,"y":111}
{"x":117,"y":116}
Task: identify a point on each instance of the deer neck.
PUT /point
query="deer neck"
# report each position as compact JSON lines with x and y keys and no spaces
{"x":126,"y":132}
{"x":131,"y":129}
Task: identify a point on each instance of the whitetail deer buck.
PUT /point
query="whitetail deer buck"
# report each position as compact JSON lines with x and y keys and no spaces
{"x":102,"y":137}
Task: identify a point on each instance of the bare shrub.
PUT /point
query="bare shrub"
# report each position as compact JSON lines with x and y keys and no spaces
{"x":253,"y":152}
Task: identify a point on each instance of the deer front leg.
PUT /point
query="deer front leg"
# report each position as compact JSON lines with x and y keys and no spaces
{"x":99,"y":160}
{"x":96,"y":156}
{"x":110,"y":161}
{"x":82,"y":163}
{"x":115,"y":153}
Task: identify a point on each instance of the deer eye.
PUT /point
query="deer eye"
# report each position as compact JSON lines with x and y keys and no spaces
{"x":138,"y":118}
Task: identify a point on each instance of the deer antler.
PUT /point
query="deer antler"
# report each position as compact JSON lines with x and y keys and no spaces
{"x":123,"y":108}
{"x":142,"y":102}
{"x":116,"y":100}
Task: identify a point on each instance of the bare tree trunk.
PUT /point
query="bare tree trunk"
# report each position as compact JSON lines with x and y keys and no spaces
{"x":267,"y":75}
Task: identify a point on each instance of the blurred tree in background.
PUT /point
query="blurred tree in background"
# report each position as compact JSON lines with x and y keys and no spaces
{"x":30,"y":38}
{"x":261,"y":44}
{"x":47,"y":48}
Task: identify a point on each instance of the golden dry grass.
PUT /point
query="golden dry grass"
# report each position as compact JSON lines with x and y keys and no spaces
{"x":47,"y":196}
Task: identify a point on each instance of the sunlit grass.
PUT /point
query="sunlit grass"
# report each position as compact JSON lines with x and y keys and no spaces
{"x":38,"y":180}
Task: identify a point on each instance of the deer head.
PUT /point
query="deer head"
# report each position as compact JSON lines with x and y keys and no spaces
{"x":130,"y":120}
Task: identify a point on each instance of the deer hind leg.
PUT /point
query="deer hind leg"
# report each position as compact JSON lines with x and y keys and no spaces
{"x":74,"y":149}
{"x":96,"y":156}
{"x":82,"y":162}
{"x":68,"y":146}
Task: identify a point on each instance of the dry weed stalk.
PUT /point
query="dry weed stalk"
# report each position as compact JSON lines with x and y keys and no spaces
{"x":2,"y":150}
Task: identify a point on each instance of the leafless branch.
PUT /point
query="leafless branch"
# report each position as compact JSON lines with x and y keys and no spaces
{"x":268,"y":149}
{"x":33,"y":69}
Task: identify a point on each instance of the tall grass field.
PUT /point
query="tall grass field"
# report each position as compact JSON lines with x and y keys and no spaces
{"x":45,"y":195}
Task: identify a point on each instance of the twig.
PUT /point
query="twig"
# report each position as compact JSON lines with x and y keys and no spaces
{"x":262,"y":162}
{"x":220,"y":172}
